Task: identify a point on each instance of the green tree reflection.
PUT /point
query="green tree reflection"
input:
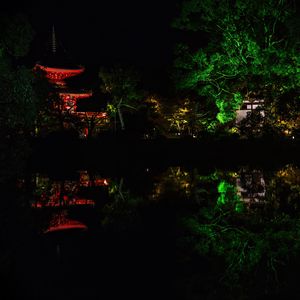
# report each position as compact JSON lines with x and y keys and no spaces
{"x":245,"y":250}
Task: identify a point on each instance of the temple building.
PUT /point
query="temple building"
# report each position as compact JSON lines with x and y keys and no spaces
{"x":248,"y":106}
{"x":60,"y":71}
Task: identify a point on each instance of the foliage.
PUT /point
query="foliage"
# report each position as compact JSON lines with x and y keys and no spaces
{"x":185,"y":119}
{"x":52,"y":117}
{"x":16,"y":34}
{"x":284,"y":113}
{"x":251,"y":54}
{"x":244,"y":251}
{"x":182,"y":116}
{"x":175,"y":181}
{"x":19,"y":99}
{"x":93,"y":122}
{"x":121,"y":84}
{"x":247,"y":250}
{"x":121,"y":211}
{"x":19,"y":96}
{"x":228,"y":196}
{"x":251,"y":126}
{"x":284,"y":190}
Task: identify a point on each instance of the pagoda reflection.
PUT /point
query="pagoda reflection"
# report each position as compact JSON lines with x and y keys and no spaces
{"x":65,"y":193}
{"x":60,"y":221}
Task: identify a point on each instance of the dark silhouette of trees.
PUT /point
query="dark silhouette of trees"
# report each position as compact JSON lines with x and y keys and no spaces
{"x":19,"y":94}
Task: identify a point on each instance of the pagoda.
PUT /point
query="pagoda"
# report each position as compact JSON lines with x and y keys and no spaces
{"x":58,"y":69}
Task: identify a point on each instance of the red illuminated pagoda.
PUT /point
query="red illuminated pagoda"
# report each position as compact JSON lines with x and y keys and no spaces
{"x":58,"y":70}
{"x":58,"y":75}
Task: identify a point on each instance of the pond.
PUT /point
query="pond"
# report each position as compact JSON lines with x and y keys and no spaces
{"x":174,"y":232}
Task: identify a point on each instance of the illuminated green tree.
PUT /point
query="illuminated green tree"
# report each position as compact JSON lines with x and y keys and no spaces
{"x":121,"y":85}
{"x":237,"y":240}
{"x":251,"y":53}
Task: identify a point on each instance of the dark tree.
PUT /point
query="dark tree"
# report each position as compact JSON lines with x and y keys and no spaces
{"x":19,"y":95}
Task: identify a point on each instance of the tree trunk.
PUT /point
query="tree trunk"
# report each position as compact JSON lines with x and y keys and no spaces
{"x":120,"y":189}
{"x":121,"y":119}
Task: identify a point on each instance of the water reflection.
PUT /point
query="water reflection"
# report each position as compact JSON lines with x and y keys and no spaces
{"x":251,"y":186}
{"x":175,"y":180}
{"x":57,"y":193}
{"x":225,"y":225}
{"x":60,"y":221}
{"x":254,"y":187}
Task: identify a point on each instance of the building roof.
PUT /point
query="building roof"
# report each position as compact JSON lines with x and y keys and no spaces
{"x":55,"y":56}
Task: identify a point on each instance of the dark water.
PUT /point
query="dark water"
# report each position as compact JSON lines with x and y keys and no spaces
{"x":178,"y":232}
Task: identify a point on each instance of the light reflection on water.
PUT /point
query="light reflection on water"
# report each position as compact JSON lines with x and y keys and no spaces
{"x":249,"y":188}
{"x":217,"y":227}
{"x":253,"y":185}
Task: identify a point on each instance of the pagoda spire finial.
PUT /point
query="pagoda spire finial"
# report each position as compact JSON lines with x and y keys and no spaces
{"x":53,"y":40}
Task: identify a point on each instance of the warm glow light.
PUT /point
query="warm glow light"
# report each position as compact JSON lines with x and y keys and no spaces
{"x":71,"y":224}
{"x":58,"y":75}
{"x":70,"y":100}
{"x":79,"y":95}
{"x":61,"y":222}
{"x":66,"y":203}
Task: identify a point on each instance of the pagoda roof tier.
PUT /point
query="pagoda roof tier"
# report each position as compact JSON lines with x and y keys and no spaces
{"x":74,"y":70}
{"x":67,"y":225}
{"x":58,"y":75}
{"x":55,"y":61}
{"x":76,"y":94}
{"x":92,"y":114}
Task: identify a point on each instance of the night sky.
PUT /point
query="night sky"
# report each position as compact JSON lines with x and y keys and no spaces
{"x":97,"y":33}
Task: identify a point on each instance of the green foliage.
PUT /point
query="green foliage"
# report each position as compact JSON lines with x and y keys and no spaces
{"x":19,"y":101}
{"x":251,"y":53}
{"x":228,"y":196}
{"x":247,"y":249}
{"x":244,"y":251}
{"x":227,"y":108}
{"x":121,"y":211}
{"x":121,"y":85}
